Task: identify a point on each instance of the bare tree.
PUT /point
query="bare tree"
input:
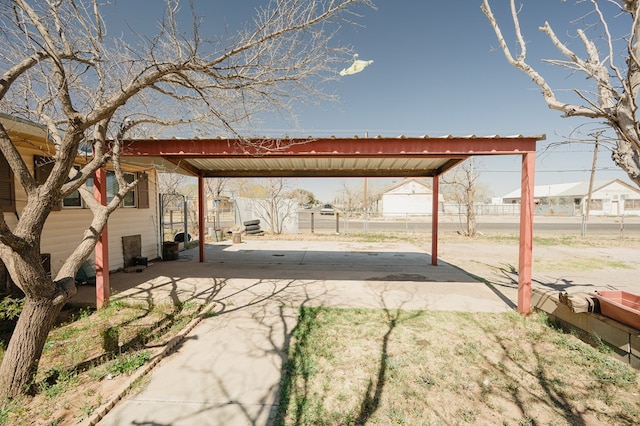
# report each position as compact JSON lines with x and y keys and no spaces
{"x":171,"y":183}
{"x":304,"y":197}
{"x":461,"y":186}
{"x":216,"y":186}
{"x":61,"y":69}
{"x":352,"y":198}
{"x":610,"y":62}
{"x":278,"y":206}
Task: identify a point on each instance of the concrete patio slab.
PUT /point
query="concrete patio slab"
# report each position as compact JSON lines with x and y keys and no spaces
{"x":228,"y":370}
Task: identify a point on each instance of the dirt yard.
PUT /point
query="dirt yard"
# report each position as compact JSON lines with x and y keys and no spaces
{"x":559,"y":263}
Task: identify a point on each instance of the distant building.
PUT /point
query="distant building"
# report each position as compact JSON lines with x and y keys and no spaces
{"x":222,"y":203}
{"x":409,"y":197}
{"x":608,"y":198}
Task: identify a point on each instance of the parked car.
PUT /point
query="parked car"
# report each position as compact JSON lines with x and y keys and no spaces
{"x":327,"y":209}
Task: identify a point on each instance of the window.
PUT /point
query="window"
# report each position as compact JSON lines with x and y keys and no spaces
{"x":7,"y":186}
{"x":129,"y":199}
{"x":595,"y":205}
{"x":631,"y":204}
{"x":138,"y":197}
{"x":73,"y":200}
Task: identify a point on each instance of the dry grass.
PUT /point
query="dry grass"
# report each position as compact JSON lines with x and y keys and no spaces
{"x":377,"y":367}
{"x":90,"y":356}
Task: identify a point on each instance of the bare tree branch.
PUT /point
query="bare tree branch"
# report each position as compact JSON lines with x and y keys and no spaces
{"x":612,"y":96}
{"x":60,"y":68}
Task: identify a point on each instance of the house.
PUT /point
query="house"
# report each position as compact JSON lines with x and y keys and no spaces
{"x":609,"y":198}
{"x":134,"y":226}
{"x":409,"y":197}
{"x":222,"y":203}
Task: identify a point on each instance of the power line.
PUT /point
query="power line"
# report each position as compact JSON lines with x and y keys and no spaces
{"x":605,"y":169}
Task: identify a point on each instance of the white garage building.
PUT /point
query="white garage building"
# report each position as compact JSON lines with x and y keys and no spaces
{"x":409,"y":197}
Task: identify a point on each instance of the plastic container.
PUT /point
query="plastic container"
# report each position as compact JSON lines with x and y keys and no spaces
{"x":621,"y":306}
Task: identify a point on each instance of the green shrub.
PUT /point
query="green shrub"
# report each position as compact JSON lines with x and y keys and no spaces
{"x":128,"y":363}
{"x":10,"y":308}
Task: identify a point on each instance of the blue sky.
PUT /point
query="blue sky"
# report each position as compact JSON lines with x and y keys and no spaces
{"x":437,"y":71}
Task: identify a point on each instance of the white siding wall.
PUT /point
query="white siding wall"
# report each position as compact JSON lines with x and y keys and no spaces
{"x":406,"y":204}
{"x":410,"y":198}
{"x":64,"y":229}
{"x":612,"y":197}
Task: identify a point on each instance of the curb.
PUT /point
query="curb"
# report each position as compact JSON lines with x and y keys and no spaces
{"x":160,"y":354}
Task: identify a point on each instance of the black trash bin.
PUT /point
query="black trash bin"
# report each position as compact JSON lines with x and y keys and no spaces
{"x":170,"y":250}
{"x":180,"y":236}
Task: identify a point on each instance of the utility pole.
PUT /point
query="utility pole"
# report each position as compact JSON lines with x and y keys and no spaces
{"x":591,"y":179}
{"x":593,"y":172}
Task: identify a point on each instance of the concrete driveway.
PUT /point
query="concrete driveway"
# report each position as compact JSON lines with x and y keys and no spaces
{"x":227,"y":371}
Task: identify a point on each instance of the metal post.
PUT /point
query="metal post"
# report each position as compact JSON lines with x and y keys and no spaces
{"x":312,"y":224}
{"x":102,"y":246}
{"x":185,"y":215}
{"x":337,"y":223}
{"x":525,"y":260}
{"x":434,"y":220}
{"x":202,"y":214}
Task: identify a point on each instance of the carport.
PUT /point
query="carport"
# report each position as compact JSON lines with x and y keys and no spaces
{"x":337,"y":157}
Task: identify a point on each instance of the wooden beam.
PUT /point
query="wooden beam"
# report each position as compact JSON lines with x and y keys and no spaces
{"x":527,"y":206}
{"x":102,"y":246}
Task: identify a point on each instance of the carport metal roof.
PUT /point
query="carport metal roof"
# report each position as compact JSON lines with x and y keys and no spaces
{"x":324,"y":157}
{"x":338,"y":157}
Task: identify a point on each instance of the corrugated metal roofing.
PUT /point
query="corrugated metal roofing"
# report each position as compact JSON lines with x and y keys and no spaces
{"x":400,"y":156}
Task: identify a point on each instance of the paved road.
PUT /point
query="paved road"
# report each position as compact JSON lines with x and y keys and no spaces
{"x":494,"y":225}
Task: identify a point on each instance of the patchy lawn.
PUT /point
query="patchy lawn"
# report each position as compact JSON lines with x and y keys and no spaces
{"x":90,"y":356}
{"x":356,"y":366}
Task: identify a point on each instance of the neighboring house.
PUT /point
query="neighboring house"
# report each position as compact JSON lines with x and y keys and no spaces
{"x":222,"y":203}
{"x":608,"y":198}
{"x":409,"y":197}
{"x":65,"y":225}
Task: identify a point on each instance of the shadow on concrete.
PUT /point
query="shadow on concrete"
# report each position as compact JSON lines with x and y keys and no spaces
{"x":232,"y":367}
{"x":225,"y":262}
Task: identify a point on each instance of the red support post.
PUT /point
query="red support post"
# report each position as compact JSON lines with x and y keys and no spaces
{"x":201,"y":216}
{"x":527,"y":205}
{"x":102,"y":246}
{"x":434,"y":220}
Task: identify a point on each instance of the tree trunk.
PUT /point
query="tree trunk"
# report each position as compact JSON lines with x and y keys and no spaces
{"x":20,"y":362}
